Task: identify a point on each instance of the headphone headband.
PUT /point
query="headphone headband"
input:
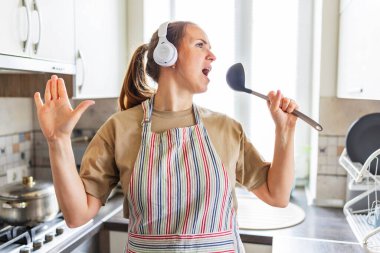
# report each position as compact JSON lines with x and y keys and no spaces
{"x":163,"y":30}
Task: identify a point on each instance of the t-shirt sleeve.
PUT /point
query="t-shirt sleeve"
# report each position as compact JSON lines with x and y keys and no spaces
{"x":251,"y":170}
{"x":98,"y":168}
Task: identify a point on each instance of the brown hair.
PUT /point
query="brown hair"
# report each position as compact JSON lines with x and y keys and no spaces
{"x":135,"y":87}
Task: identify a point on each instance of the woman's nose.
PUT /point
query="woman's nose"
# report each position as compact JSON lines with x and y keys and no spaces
{"x":211,"y":56}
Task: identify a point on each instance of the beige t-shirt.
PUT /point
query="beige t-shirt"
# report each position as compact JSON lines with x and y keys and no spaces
{"x":112,"y":153}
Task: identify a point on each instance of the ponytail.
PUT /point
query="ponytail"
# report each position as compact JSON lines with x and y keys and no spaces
{"x":135,"y":88}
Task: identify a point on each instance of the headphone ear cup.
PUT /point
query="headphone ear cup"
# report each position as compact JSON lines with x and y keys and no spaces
{"x":165,"y":54}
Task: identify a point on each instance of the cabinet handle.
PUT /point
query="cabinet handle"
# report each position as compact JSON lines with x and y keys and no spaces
{"x":80,"y":56}
{"x":36,"y":9}
{"x":25,"y":42}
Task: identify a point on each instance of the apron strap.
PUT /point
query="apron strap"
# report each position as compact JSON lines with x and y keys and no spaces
{"x":147,"y":106}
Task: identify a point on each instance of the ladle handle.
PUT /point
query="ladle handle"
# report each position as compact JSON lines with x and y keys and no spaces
{"x":297,"y":113}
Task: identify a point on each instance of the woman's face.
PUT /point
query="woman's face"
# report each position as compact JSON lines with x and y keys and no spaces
{"x":194,"y":60}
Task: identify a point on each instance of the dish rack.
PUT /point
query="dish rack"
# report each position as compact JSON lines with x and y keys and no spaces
{"x":367,"y":235}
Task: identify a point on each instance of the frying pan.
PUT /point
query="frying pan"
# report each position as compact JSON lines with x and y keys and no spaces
{"x":363,"y":138}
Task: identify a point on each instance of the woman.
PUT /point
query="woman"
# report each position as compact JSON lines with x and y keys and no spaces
{"x":177,"y":162}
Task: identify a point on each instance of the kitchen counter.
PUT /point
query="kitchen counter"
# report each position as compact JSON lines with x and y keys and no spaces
{"x":323,"y":223}
{"x":112,"y":208}
{"x":323,"y":230}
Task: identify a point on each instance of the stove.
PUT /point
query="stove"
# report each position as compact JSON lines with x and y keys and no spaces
{"x":42,"y":237}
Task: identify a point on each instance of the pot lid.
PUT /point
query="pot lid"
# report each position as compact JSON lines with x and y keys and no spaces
{"x":27,"y":189}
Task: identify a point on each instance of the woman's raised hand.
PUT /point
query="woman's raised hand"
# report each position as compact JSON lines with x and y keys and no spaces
{"x":56,"y":116}
{"x":281,"y":108}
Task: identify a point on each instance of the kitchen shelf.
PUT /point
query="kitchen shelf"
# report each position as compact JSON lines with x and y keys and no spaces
{"x":367,"y":235}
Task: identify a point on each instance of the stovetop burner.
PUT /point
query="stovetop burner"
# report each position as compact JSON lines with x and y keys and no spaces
{"x":50,"y":236}
{"x":24,"y":235}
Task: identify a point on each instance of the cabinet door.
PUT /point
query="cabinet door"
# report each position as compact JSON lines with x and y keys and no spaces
{"x":53,"y":36}
{"x":101,"y":37}
{"x":359,"y":51}
{"x":14,"y":27}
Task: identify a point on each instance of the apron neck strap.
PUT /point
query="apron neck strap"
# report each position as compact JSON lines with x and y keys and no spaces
{"x":147,"y":106}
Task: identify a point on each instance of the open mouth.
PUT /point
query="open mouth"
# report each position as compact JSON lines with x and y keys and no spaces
{"x":205,"y":71}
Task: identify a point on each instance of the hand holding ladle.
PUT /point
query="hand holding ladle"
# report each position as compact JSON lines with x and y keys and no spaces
{"x":236,"y":80}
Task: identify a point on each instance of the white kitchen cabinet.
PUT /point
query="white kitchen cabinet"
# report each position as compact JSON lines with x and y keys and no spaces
{"x":359,"y":50}
{"x":118,"y":241}
{"x":56,"y":38}
{"x":39,"y":29}
{"x":101,"y":42}
{"x":14,"y":27}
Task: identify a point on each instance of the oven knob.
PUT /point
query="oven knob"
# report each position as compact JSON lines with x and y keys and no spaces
{"x":49,"y":237}
{"x":26,"y":250}
{"x":59,"y":230}
{"x":37,"y":244}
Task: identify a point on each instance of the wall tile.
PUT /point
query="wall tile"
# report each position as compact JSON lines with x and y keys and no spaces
{"x":332,"y":141}
{"x":322,"y":141}
{"x":332,"y":160}
{"x":15,"y":155}
{"x":16,"y":147}
{"x":331,"y":176}
{"x":340,"y":171}
{"x":3,"y":180}
{"x":322,"y":160}
{"x":331,"y":187}
{"x":326,"y":170}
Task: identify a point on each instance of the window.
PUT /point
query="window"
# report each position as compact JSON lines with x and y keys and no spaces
{"x":273,"y":61}
{"x":217,"y":20}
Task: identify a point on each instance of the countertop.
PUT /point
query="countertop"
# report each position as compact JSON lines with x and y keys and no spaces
{"x":112,"y":208}
{"x":323,"y":230}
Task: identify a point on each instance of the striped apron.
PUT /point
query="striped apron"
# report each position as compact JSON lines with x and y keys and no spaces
{"x":179,"y":196}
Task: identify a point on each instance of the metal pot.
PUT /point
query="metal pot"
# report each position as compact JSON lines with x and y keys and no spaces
{"x":28,"y":202}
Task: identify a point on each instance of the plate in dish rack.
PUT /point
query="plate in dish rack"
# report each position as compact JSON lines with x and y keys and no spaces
{"x":363,"y":139}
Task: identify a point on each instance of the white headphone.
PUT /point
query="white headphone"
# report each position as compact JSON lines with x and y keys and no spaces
{"x":165,"y":54}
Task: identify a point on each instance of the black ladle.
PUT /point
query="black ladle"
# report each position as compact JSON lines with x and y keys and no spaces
{"x":236,"y":80}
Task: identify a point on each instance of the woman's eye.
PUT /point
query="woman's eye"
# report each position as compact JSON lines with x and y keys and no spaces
{"x":200,"y":44}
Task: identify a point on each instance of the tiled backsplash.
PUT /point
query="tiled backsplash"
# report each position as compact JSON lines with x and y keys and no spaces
{"x":331,"y":177}
{"x":16,"y":154}
{"x":41,"y":151}
{"x":330,"y":149}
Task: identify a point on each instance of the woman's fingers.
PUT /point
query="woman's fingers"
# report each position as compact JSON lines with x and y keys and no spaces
{"x":288,"y":105}
{"x":274,"y":100}
{"x":292,"y":106}
{"x":53,"y":88}
{"x":47,"y":92}
{"x":62,"y":93}
{"x":38,"y":100}
{"x":285,"y":104}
